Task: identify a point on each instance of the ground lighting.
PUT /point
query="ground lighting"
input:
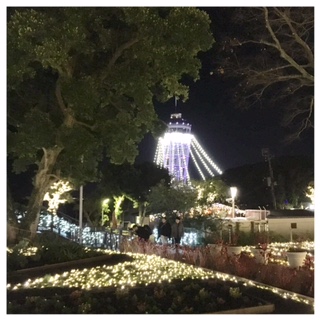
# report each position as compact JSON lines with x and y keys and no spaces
{"x":143,"y":270}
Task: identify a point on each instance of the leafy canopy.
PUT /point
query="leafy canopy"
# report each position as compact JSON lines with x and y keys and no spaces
{"x":83,"y":80}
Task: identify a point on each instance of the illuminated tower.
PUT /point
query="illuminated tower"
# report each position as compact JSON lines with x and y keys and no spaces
{"x":174,"y":147}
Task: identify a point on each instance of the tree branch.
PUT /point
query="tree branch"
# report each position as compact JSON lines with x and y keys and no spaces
{"x":283,"y":53}
{"x":296,"y":36}
{"x":55,"y":177}
{"x":305,"y":123}
{"x":285,"y":63}
{"x":67,"y":112}
{"x":117,"y":54}
{"x":120,"y":50}
{"x":61,"y":104}
{"x":80,"y":123}
{"x":45,"y":155}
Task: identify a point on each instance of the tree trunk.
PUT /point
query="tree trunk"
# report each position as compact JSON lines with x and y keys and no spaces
{"x":42,"y":183}
{"x":35,"y":205}
{"x":12,"y":233}
{"x":114,"y":221}
{"x":142,"y":212}
{"x":12,"y":228}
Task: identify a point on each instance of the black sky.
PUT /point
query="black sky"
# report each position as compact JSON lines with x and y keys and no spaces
{"x":231,"y":137}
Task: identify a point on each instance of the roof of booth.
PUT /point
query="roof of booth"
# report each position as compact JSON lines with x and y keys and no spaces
{"x":296,"y":213}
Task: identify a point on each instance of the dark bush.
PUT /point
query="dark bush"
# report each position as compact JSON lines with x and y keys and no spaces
{"x":51,"y":248}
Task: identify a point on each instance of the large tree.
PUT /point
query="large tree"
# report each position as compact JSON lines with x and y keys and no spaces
{"x":269,"y":53}
{"x":210,"y":191}
{"x":168,"y":198}
{"x":82,"y":81}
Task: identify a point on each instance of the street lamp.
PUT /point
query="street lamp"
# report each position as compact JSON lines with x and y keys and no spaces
{"x":233,"y":191}
{"x":80,"y":213}
{"x":104,"y":208}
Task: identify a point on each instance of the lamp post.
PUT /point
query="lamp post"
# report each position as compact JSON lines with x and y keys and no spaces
{"x":80,"y":213}
{"x":104,"y":208}
{"x":233,"y":191}
{"x":81,"y":208}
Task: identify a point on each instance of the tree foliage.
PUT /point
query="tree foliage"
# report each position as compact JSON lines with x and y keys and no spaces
{"x":132,"y":182}
{"x":292,"y":174}
{"x":211,"y":191}
{"x":269,"y":53}
{"x":82,"y":81}
{"x":167,"y":198}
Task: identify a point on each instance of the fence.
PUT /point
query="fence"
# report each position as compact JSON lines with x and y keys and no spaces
{"x":98,"y":237}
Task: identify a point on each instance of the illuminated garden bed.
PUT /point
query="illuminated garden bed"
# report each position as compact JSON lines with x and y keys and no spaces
{"x":146,"y":284}
{"x":178,"y":297}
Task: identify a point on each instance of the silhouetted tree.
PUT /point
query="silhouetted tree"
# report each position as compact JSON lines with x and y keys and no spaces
{"x":269,"y":53}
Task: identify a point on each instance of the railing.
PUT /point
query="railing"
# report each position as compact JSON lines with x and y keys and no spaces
{"x":97,"y":237}
{"x":91,"y":236}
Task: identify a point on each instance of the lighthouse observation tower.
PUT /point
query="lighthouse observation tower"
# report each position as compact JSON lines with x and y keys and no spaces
{"x":176,"y":147}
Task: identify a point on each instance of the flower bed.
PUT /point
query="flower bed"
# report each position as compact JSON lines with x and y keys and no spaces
{"x":120,"y":276}
{"x":187,"y":297}
{"x":277,"y":274}
{"x":143,"y":284}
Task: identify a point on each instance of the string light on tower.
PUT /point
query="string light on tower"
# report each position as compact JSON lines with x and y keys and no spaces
{"x":175,"y":147}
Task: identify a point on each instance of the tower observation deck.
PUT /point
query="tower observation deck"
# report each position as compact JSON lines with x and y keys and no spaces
{"x":175,"y":148}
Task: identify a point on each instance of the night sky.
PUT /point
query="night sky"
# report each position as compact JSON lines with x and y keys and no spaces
{"x":232,"y":137}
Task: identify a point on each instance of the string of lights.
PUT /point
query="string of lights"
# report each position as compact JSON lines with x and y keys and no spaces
{"x":143,"y":270}
{"x":198,"y":146}
{"x":175,"y":147}
{"x":200,"y":156}
{"x":197,"y":165}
